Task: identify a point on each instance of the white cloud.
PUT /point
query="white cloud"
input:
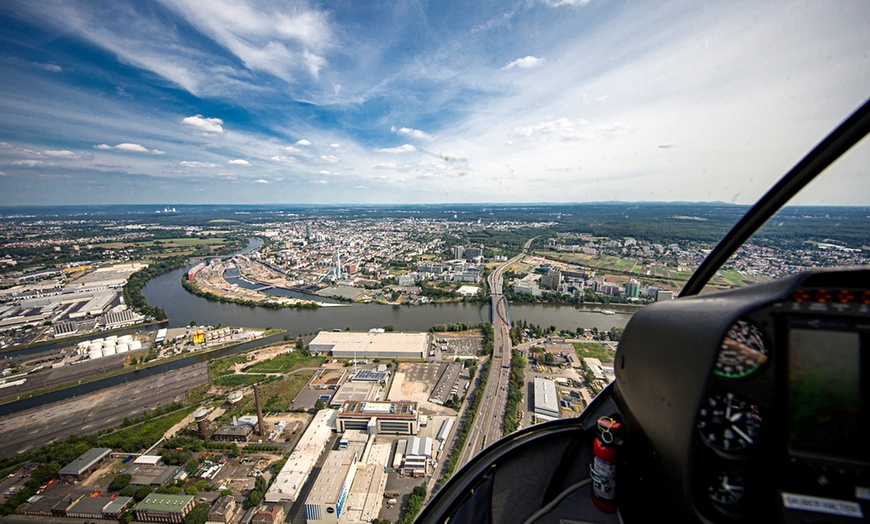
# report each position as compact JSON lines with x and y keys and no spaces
{"x":206,"y":125}
{"x":321,"y":182}
{"x":561,"y":129}
{"x":336,"y":146}
{"x":128,"y":147}
{"x":324,"y":172}
{"x":194,"y":163}
{"x":133,"y":148}
{"x":239,"y":162}
{"x":54,"y":68}
{"x":280,"y":158}
{"x":387,"y":165}
{"x":272,"y":38}
{"x":262,"y":181}
{"x":63,"y":153}
{"x":406,"y":148}
{"x":571,"y":3}
{"x":303,"y":142}
{"x":413,"y":133}
{"x":329,"y":158}
{"x":526,"y":62}
{"x":28,"y":163}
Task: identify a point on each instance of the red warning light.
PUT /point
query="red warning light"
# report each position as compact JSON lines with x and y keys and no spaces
{"x":865,"y":298}
{"x":800,"y":295}
{"x":823,"y":296}
{"x":845,"y":296}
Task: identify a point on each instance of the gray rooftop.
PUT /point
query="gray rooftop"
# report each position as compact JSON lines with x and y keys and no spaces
{"x":88,"y":459}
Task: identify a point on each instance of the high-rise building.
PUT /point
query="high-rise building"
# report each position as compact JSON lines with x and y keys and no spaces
{"x":632,"y":288}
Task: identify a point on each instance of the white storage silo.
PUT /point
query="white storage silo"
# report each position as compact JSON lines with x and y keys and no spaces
{"x":122,"y":348}
{"x":108,"y":351}
{"x":135,"y":345}
{"x":95,"y":354}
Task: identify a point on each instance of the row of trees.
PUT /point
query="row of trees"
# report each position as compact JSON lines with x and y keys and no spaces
{"x":515,"y":392}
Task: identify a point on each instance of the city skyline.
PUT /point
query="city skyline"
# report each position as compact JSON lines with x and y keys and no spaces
{"x":342,"y":103}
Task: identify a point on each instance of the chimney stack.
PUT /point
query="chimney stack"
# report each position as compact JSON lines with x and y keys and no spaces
{"x":260,"y":423}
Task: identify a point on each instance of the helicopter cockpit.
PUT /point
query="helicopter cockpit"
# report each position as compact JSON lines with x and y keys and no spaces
{"x":745,"y":405}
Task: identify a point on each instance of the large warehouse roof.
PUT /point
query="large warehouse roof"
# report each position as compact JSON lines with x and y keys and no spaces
{"x":360,"y":345}
{"x":546,"y":400}
{"x":88,"y":459}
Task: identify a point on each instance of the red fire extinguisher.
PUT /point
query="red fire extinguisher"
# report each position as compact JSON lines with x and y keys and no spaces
{"x":603,"y":467}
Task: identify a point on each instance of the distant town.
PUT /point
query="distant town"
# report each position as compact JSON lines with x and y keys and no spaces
{"x":319,"y":422}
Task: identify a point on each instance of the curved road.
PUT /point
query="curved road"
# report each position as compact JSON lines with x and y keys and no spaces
{"x":489,"y":423}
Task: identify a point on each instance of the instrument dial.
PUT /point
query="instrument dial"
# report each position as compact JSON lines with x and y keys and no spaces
{"x":727,"y":489}
{"x":729,"y":423}
{"x":741,"y":352}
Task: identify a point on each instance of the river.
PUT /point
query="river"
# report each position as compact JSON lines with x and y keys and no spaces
{"x":182,"y":307}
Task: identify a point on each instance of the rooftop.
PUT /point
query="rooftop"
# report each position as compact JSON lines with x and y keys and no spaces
{"x":368,"y":409}
{"x":160,"y":502}
{"x":85,"y":461}
{"x":346,"y":342}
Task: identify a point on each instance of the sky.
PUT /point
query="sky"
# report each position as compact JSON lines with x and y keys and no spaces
{"x":368,"y":102}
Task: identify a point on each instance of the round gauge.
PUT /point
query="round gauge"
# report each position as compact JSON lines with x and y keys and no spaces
{"x":727,"y":489}
{"x":742,"y":351}
{"x":729,"y":423}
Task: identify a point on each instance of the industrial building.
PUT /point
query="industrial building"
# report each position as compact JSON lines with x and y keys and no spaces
{"x":326,"y":499}
{"x":157,"y":507}
{"x":371,"y":345}
{"x":233,"y":433}
{"x":444,"y":432}
{"x":301,"y":461}
{"x":87,"y":463}
{"x":88,"y":507}
{"x":446,"y":387}
{"x":400,"y":418}
{"x":355,"y":391}
{"x":546,"y":399}
{"x":417,"y":455}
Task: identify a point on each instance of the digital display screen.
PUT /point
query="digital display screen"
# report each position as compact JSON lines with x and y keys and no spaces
{"x":827,"y":407}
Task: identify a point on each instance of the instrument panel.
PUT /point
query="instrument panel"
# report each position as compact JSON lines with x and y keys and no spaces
{"x":783,"y":421}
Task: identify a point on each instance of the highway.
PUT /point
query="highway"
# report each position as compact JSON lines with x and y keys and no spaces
{"x":489,"y":422}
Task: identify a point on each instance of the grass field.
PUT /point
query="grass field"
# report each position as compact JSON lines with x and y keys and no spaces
{"x":279,"y":394}
{"x":285,"y":362}
{"x":594,"y":350}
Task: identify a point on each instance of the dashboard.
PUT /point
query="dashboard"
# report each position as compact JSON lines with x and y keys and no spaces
{"x":752,"y":404}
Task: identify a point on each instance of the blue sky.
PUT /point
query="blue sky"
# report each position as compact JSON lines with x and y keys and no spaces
{"x":181,"y":101}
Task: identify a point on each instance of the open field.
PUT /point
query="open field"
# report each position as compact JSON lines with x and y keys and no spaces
{"x":594,"y":350}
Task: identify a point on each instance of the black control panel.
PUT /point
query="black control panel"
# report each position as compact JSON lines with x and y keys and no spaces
{"x":783,"y":427}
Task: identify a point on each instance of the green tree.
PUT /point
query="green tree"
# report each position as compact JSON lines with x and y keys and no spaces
{"x":141,"y":493}
{"x":120,"y":482}
{"x":191,"y":490}
{"x":254,"y":498}
{"x":319,"y":404}
{"x":197,"y":515}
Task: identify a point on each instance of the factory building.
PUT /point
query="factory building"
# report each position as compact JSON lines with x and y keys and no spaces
{"x":157,"y":507}
{"x":326,"y":499}
{"x":444,"y":432}
{"x":301,"y":461}
{"x":400,"y":418}
{"x":82,"y":467}
{"x":371,"y":345}
{"x":355,"y":391}
{"x":418,"y":453}
{"x":546,"y":400}
{"x":88,"y":507}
